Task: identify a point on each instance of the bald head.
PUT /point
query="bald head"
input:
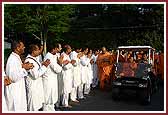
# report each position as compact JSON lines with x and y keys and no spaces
{"x":104,"y":50}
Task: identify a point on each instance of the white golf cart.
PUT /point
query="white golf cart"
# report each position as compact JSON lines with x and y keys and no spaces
{"x":134,"y":71}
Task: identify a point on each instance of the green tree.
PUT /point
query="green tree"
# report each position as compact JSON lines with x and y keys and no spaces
{"x":92,"y":25}
{"x":41,"y":20}
{"x":118,"y":24}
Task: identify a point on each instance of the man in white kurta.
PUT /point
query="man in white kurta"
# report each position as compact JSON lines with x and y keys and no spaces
{"x":60,"y":84}
{"x":59,"y":75}
{"x":67,"y":79}
{"x":84,"y":61}
{"x":76,"y":78}
{"x":34,"y":85}
{"x":67,"y":75}
{"x":89,"y":74}
{"x":50,"y":81}
{"x":15,"y":93}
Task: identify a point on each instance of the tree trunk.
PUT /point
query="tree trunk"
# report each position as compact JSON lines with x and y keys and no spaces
{"x":44,"y":43}
{"x":45,"y":46}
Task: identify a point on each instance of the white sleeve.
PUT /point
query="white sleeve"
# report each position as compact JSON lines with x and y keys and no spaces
{"x":67,"y":66}
{"x":53,"y":64}
{"x":72,"y":57}
{"x":15,"y":71}
{"x":36,"y":72}
{"x":55,"y":67}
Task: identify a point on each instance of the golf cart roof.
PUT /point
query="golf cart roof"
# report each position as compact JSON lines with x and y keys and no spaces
{"x":135,"y":48}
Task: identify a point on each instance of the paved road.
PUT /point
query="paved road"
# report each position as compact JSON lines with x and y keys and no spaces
{"x":102,"y":101}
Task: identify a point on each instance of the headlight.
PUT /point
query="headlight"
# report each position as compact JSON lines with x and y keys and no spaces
{"x":142,"y":85}
{"x":116,"y":83}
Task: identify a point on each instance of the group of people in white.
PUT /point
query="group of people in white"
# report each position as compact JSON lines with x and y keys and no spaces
{"x":62,"y":76}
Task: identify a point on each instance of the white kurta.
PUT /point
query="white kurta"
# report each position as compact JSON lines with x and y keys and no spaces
{"x":67,"y":74}
{"x":15,"y":93}
{"x":89,"y":73}
{"x":34,"y":85}
{"x":76,"y":69}
{"x":50,"y":80}
{"x":84,"y":69}
{"x":60,"y":82}
{"x":89,"y":77}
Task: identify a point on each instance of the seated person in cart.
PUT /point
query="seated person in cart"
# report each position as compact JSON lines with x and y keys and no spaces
{"x":129,"y":68}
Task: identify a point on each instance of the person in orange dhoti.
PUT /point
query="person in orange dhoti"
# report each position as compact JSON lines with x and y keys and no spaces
{"x":104,"y":62}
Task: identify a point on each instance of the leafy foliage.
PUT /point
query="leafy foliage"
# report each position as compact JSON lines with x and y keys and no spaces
{"x":118,"y":24}
{"x":89,"y":25}
{"x":43,"y":20}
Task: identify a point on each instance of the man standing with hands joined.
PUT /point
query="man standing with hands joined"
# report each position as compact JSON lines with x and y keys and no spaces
{"x":15,"y":93}
{"x":34,"y":85}
{"x":50,"y":80}
{"x":67,"y":75}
